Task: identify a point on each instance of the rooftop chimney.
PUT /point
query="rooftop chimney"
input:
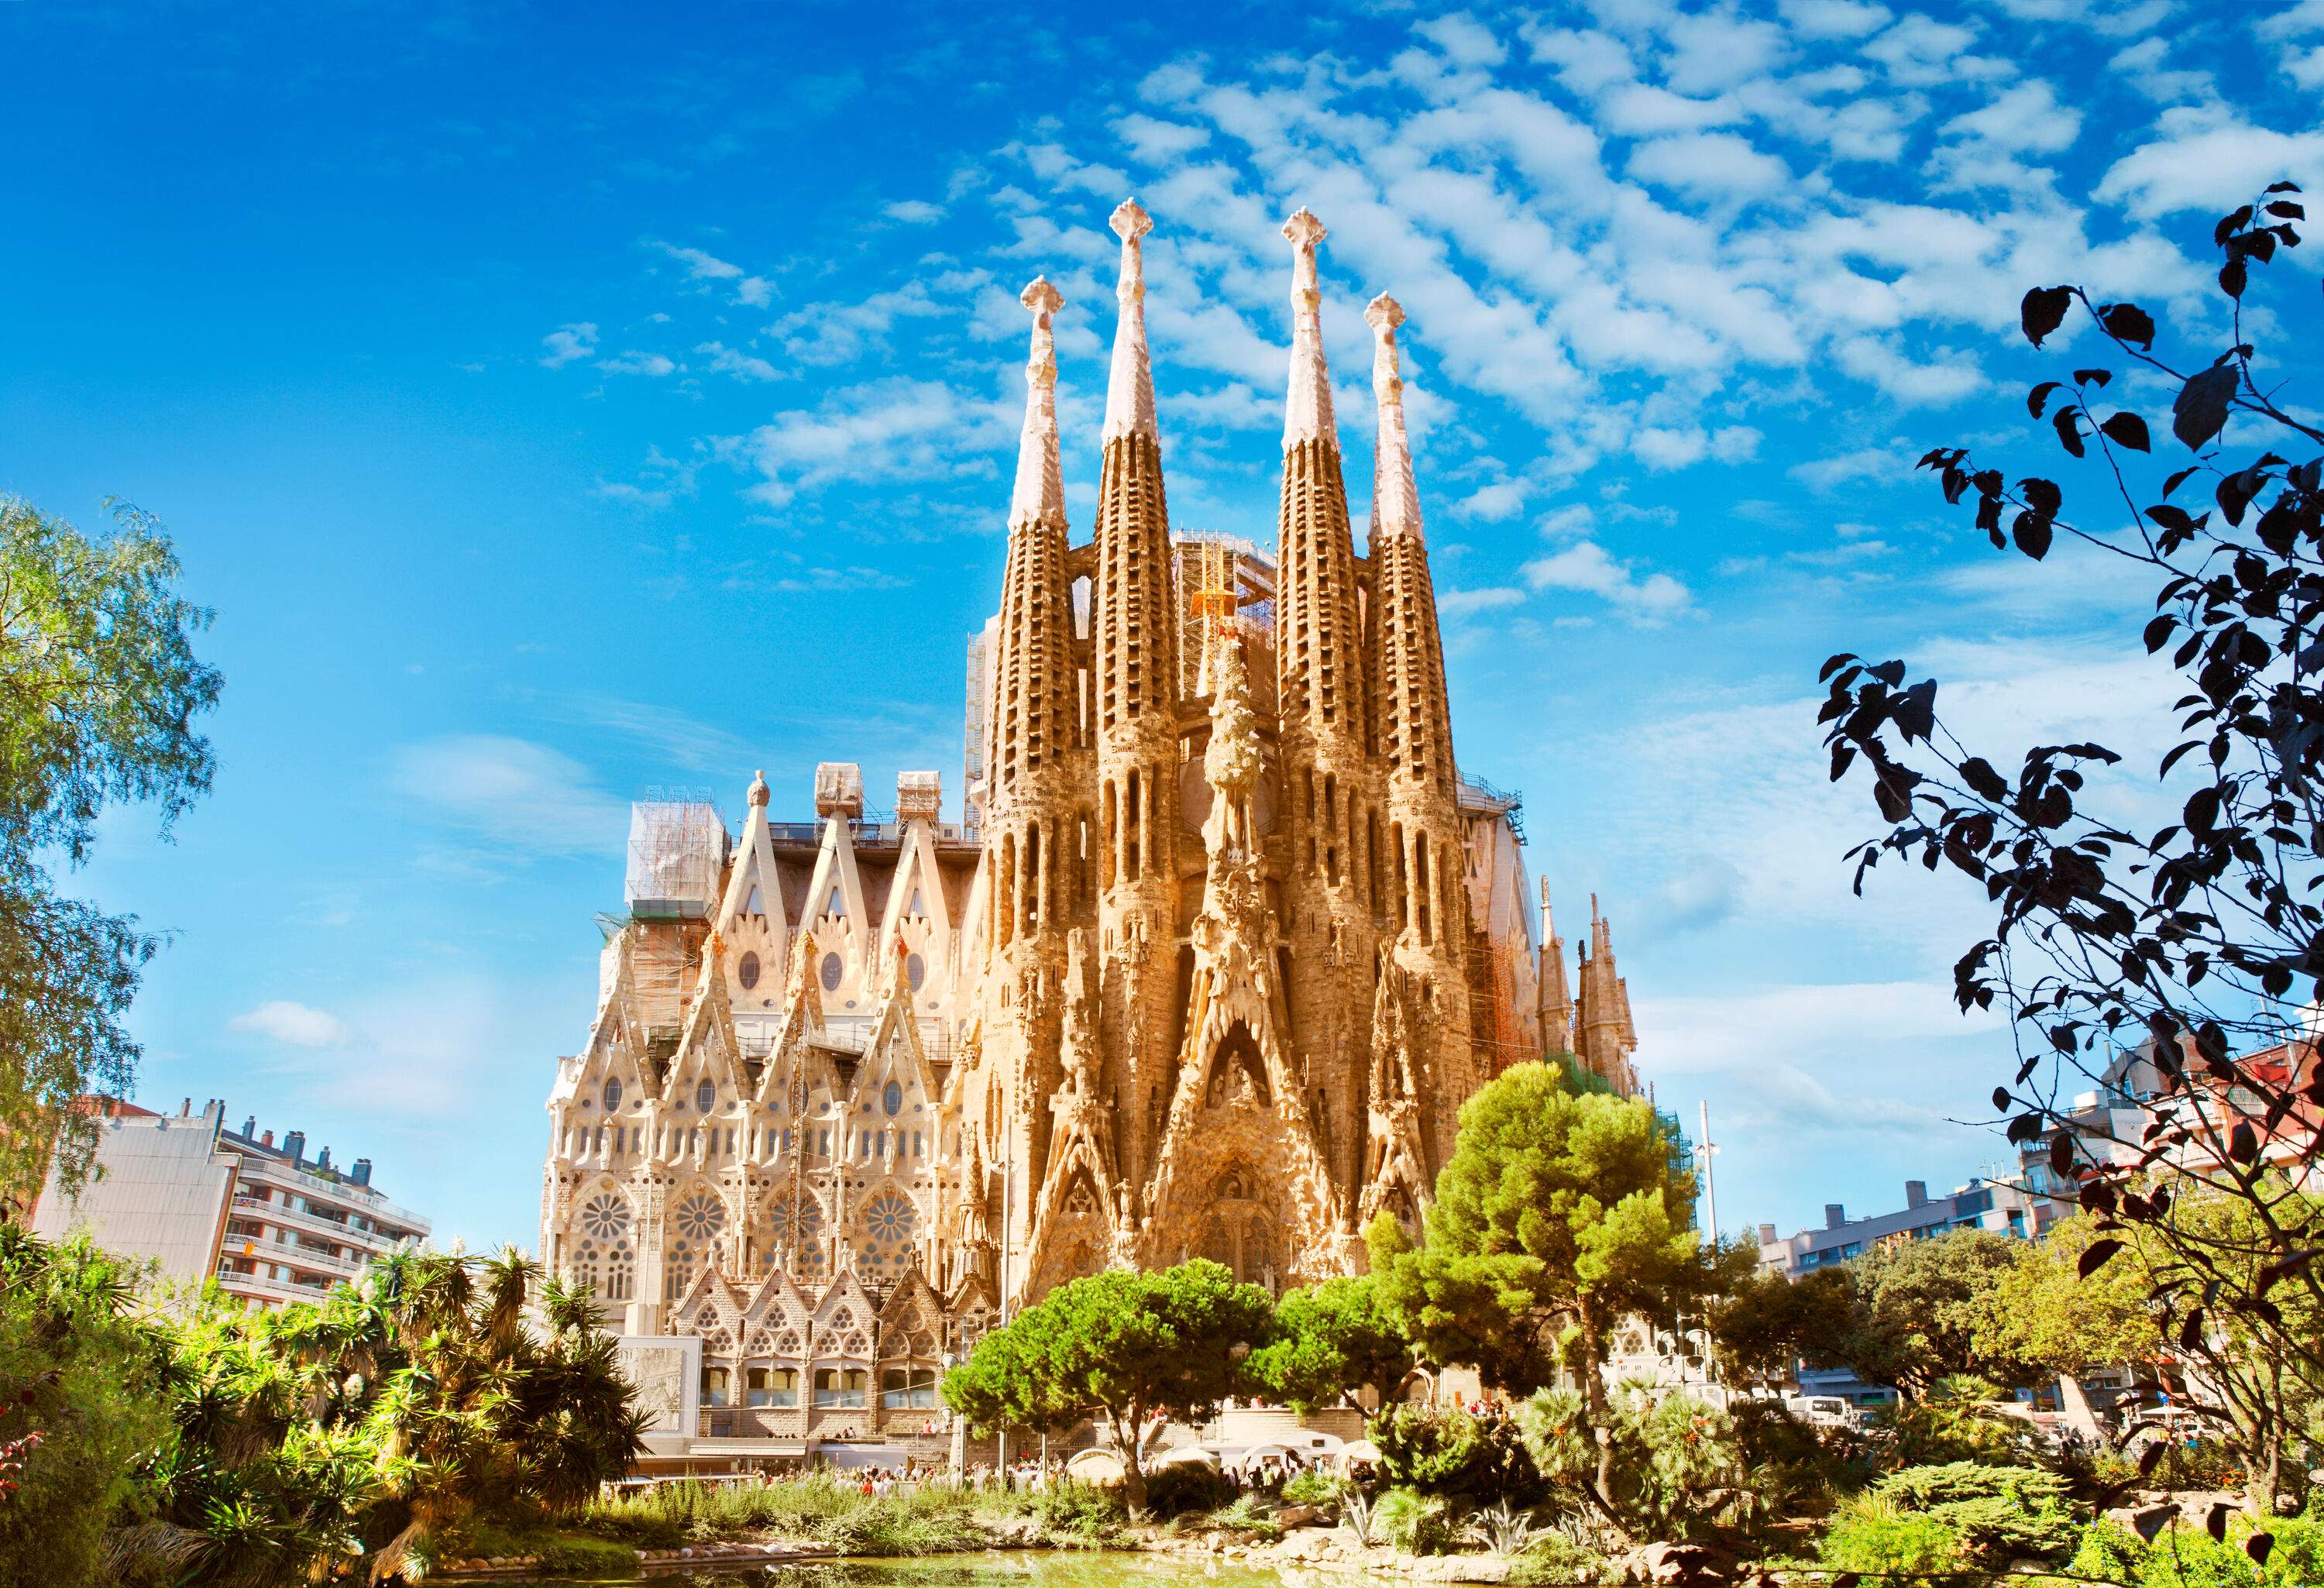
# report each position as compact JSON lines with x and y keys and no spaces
{"x":267,"y":1140}
{"x":250,"y":1126}
{"x":1834,"y":1215}
{"x":1767,"y":1234}
{"x":1916,"y":1194}
{"x":323,"y":1159}
{"x":361,"y":1172}
{"x":294,"y":1146}
{"x":186,"y":1109}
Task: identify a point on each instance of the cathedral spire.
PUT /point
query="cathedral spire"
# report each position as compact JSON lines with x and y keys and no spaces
{"x":1395,"y":500}
{"x":1040,"y":496}
{"x":1307,"y":406}
{"x":1130,"y":385}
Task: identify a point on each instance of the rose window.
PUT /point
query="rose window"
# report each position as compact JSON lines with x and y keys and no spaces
{"x":890,"y":1218}
{"x":701,"y":1217}
{"x":805,"y":1224}
{"x":605,"y":1217}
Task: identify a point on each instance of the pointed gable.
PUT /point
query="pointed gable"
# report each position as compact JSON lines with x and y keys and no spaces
{"x":920,"y":912}
{"x":911,"y":1323}
{"x":846,"y":1321}
{"x":778,"y":1321}
{"x":751,"y":915}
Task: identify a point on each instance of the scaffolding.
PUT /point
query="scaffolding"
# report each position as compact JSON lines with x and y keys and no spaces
{"x":677,"y":853}
{"x":1220,"y":580}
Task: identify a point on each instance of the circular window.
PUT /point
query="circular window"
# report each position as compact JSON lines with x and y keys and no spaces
{"x":890,"y":1218}
{"x":701,"y":1217}
{"x":612,"y":1094}
{"x":805,"y":1223}
{"x":746,"y":970}
{"x":832,"y":971}
{"x":915,"y":970}
{"x":605,"y":1217}
{"x":706,"y":1097}
{"x":892,"y":1100}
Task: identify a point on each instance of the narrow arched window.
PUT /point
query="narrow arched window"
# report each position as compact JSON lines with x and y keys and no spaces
{"x":612,"y":1094}
{"x":706,"y":1097}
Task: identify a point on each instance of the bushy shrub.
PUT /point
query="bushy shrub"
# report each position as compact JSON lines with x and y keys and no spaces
{"x":1249,"y":1514}
{"x":1186,"y":1486}
{"x":1314,"y":1487}
{"x":1797,"y":1468}
{"x":1413,"y":1522}
{"x":1676,"y":1466}
{"x":1870,"y":1534}
{"x":1956,"y":1423}
{"x":1080,"y":1513}
{"x":1454,"y":1456}
{"x":2189,"y":1558}
{"x":1997,"y":1513}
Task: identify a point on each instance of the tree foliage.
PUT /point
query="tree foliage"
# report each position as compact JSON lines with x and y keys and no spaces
{"x":1126,"y":1348}
{"x":99,"y":691}
{"x":1557,"y":1216}
{"x":2200,"y":938}
{"x":346,"y":1435}
{"x":1331,"y":1340}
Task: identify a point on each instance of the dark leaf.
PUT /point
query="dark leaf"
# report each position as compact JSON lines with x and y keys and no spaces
{"x":1916,"y":710}
{"x":2243,"y":1142}
{"x":2229,"y":224}
{"x":2070,"y":433}
{"x":2233,"y":276}
{"x":2062,"y":1153}
{"x":2130,"y":323}
{"x":2201,"y":411}
{"x":2095,"y":1256}
{"x":2151,"y":1458}
{"x":2039,"y":397}
{"x":2158,"y":633}
{"x":2286,"y":209}
{"x":2092,"y":377}
{"x":2001,"y":1099}
{"x":2044,"y":310}
{"x":2259,"y":1546}
{"x":2215,"y":1520}
{"x":1978,"y":774}
{"x":2127,"y":429}
{"x":2031,"y":534}
{"x":2283,"y":187}
{"x":2178,"y":479}
{"x":2042,"y":496}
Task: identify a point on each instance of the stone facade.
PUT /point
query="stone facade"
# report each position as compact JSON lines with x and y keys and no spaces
{"x":1227,"y":943}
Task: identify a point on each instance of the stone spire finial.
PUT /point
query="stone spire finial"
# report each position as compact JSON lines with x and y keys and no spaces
{"x":1130,"y":386}
{"x":1307,"y":410}
{"x":1040,"y":496}
{"x":1395,"y":500}
{"x":759,"y":793}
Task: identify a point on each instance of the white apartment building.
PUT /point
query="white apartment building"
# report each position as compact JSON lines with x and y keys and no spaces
{"x":271,"y":1224}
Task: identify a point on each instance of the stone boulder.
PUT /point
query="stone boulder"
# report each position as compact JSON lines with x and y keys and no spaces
{"x":1677,"y":1565}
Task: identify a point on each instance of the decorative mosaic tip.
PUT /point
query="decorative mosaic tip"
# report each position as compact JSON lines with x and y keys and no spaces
{"x":1130,"y":381}
{"x":1040,"y":494}
{"x":1308,"y":407}
{"x":1395,"y":499}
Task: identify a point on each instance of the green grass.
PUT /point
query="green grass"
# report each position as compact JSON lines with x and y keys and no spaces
{"x":825,"y":1508}
{"x":557,"y":1549}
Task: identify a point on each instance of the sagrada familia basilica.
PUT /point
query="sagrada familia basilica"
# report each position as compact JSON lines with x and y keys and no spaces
{"x":1225,"y":941}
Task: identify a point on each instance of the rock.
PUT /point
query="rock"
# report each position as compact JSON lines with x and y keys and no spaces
{"x":1303,"y":1516}
{"x":1461,"y":1568}
{"x":2145,"y":1520}
{"x":1677,"y":1565}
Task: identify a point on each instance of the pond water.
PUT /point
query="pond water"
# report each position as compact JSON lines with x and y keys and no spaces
{"x":1032,"y":1569}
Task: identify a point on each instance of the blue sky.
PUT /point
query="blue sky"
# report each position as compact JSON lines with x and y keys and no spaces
{"x":559,"y":402}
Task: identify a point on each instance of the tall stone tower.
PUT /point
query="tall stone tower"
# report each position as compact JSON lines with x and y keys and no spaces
{"x":1332,"y":866}
{"x":1134,"y":620}
{"x":1429,"y":917}
{"x":1035,"y":820}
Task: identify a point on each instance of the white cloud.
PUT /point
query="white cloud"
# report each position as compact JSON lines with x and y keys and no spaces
{"x":1892,"y":464}
{"x":1465,"y":41}
{"x":1835,"y":19}
{"x":701,"y":266}
{"x":913,"y":212}
{"x":520,"y":796}
{"x":734,"y":361}
{"x":1159,"y":143}
{"x":297,"y":1025}
{"x":1709,"y":166}
{"x":1586,"y":567}
{"x":1460,"y":603}
{"x":569,"y":344}
{"x":634,"y":362}
{"x":884,"y":429}
{"x":2207,"y":159}
{"x":1500,"y":500}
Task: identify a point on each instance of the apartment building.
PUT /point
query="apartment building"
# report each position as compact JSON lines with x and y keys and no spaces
{"x":269,"y":1223}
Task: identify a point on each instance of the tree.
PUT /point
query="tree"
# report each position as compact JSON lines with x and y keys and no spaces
{"x":1909,"y":1315}
{"x":1557,"y":1215}
{"x":2199,"y":940}
{"x":1331,"y":1340}
{"x":1128,"y":1349}
{"x":99,"y":689}
{"x":2044,"y":1312}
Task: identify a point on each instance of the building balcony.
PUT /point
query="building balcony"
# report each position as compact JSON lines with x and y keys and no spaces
{"x":297,"y":1220}
{"x":268,"y":1289}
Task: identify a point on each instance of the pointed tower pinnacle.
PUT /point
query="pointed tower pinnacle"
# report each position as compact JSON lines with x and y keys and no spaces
{"x":1040,"y":496}
{"x":1130,"y":386}
{"x":1308,"y":407}
{"x":1395,"y":499}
